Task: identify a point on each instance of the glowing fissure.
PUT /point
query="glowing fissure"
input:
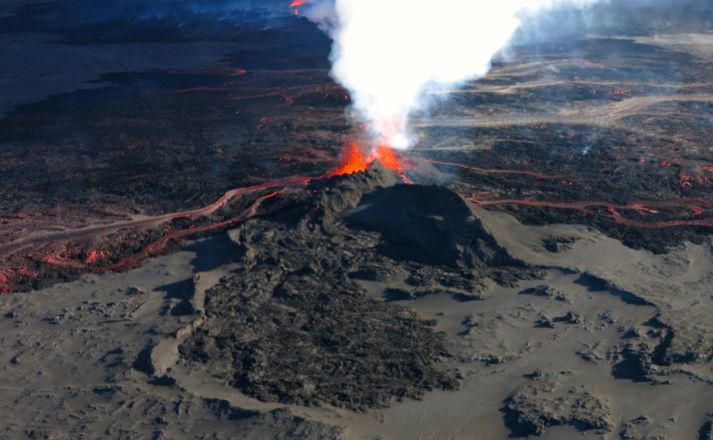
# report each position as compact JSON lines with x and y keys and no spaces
{"x":354,"y":160}
{"x":56,"y":249}
{"x":642,"y":208}
{"x":94,"y":260}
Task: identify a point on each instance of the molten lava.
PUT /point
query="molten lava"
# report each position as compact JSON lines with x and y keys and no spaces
{"x":297,"y":4}
{"x":354,"y":160}
{"x":389,"y":159}
{"x":95,"y":255}
{"x":63,"y":251}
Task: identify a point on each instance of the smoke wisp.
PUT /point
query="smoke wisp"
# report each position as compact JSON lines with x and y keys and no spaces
{"x":388,"y":54}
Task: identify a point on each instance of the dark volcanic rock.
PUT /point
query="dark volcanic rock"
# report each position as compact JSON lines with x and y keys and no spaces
{"x":635,"y":363}
{"x":545,"y":292}
{"x":429,"y":224}
{"x":558,"y":244}
{"x":291,"y":325}
{"x":554,"y":399}
{"x":569,"y":318}
{"x":672,"y":339}
{"x":642,"y":428}
{"x":291,"y":337}
{"x":689,"y":336}
{"x":143,"y":360}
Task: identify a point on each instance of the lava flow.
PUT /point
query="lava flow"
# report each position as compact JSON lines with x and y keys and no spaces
{"x":642,"y":208}
{"x":124,"y":244}
{"x":62,"y":249}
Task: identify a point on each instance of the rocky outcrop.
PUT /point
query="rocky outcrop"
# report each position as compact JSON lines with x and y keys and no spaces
{"x":291,"y":324}
{"x":554,"y":399}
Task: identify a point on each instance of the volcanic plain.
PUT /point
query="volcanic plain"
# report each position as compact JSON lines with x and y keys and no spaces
{"x":190,"y":246}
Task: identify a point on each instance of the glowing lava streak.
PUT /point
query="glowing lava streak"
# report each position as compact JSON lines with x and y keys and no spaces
{"x":158,"y":246}
{"x":10,"y":277}
{"x":296,"y":4}
{"x":354,"y":160}
{"x":696,"y":206}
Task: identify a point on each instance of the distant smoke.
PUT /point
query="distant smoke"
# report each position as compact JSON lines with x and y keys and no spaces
{"x":619,"y":17}
{"x":388,"y":53}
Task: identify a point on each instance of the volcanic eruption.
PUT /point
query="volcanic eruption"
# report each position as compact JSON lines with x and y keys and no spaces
{"x":388,"y":65}
{"x":380,"y":243}
{"x":355,"y":160}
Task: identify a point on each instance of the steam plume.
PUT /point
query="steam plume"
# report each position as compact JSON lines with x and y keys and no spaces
{"x":388,"y":53}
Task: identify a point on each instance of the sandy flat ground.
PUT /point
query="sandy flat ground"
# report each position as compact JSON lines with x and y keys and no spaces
{"x":62,"y":346}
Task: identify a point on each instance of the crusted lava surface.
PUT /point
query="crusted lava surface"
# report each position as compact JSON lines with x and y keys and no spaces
{"x":293,"y":322}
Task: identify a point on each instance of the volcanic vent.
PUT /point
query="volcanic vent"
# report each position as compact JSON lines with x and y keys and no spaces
{"x":300,"y":321}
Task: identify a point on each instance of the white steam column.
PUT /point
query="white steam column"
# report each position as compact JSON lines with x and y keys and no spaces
{"x":389,"y":53}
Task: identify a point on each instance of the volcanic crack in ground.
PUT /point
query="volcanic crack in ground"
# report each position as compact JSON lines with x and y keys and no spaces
{"x":35,"y":258}
{"x":557,"y":137}
{"x":42,"y":258}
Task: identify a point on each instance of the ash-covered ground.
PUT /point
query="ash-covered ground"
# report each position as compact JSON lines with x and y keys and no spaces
{"x":179,"y":259}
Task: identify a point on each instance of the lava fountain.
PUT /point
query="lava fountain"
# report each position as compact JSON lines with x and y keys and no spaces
{"x":355,"y":160}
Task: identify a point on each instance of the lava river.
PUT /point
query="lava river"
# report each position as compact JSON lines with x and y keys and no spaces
{"x":88,"y":249}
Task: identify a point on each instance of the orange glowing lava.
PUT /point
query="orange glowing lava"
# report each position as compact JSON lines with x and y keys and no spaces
{"x":5,"y":286}
{"x":94,"y":255}
{"x":389,"y":158}
{"x":297,"y":3}
{"x":354,"y":160}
